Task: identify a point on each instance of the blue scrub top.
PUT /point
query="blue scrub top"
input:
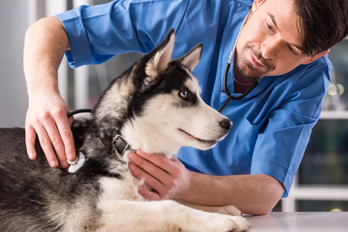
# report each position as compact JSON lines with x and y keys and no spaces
{"x":272,"y":125}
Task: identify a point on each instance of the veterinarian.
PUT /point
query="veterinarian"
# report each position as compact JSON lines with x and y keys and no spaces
{"x":282,"y":44}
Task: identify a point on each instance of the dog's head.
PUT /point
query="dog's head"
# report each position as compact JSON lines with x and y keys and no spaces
{"x":166,"y":111}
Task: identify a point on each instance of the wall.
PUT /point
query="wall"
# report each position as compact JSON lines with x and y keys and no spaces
{"x":13,"y":95}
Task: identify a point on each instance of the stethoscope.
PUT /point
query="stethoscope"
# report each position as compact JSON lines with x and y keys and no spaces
{"x":229,"y":95}
{"x":228,"y":65}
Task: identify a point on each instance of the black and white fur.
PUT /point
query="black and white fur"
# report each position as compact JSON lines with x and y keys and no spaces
{"x":156,"y":106}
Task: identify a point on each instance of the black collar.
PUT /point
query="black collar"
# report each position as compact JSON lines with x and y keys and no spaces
{"x":114,"y":135}
{"x":118,"y":141}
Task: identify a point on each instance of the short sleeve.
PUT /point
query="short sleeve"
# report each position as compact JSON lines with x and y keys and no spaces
{"x":97,"y":33}
{"x":281,"y":144}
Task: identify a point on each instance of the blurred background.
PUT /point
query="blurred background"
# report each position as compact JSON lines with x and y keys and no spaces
{"x":321,"y":183}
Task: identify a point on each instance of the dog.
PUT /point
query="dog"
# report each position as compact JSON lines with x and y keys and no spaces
{"x":154,"y":106}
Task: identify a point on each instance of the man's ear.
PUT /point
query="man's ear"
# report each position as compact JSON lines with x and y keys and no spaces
{"x":256,"y":4}
{"x":160,"y":56}
{"x":191,"y":59}
{"x":315,"y":57}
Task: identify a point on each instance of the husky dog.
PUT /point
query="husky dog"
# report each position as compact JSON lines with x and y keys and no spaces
{"x":154,"y":106}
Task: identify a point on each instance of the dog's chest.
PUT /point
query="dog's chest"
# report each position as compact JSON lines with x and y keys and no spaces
{"x":120,"y":189}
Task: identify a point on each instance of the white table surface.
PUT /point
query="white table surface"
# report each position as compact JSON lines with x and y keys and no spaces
{"x":300,"y":222}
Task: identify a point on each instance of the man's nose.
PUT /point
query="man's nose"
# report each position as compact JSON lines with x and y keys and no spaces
{"x":270,"y":47}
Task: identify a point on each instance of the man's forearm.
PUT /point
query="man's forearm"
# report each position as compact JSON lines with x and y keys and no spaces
{"x":252,"y":194}
{"x":45,"y":44}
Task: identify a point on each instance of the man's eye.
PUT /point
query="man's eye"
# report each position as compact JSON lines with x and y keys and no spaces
{"x":269,"y":26}
{"x":292,"y":50}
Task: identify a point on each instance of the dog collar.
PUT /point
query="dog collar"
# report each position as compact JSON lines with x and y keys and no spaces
{"x":118,"y":141}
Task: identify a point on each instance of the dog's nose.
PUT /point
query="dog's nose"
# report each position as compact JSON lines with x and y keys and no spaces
{"x":226,"y":124}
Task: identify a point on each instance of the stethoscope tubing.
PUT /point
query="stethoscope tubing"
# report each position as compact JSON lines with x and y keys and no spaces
{"x":79,"y":111}
{"x":229,"y":95}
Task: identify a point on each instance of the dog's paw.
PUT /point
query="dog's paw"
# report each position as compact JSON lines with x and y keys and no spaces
{"x":225,"y":223}
{"x":242,"y":224}
{"x":229,"y":210}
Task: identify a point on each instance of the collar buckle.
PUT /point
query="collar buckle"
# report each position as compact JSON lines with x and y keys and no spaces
{"x":120,"y":144}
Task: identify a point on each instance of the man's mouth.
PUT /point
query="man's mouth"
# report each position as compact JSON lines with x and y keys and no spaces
{"x":211,"y":142}
{"x":255,"y":61}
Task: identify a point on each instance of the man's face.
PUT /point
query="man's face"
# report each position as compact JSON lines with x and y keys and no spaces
{"x":270,"y":42}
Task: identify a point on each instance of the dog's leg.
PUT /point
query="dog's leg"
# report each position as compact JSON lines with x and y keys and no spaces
{"x":228,"y":209}
{"x":164,"y":215}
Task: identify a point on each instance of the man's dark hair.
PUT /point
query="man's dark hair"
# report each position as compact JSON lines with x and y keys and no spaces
{"x":323,"y":23}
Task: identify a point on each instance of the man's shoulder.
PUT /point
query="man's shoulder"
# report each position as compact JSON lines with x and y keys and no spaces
{"x":316,"y":75}
{"x":322,"y":65}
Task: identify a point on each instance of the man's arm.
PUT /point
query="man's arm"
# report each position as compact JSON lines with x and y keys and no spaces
{"x":252,"y":194}
{"x":45,"y":44}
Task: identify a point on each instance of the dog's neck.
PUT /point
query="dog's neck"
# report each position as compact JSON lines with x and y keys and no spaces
{"x":143,"y":137}
{"x":149,"y":142}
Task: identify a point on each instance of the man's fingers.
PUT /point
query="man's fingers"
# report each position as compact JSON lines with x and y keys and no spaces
{"x":149,"y":195}
{"x":71,"y":120}
{"x":150,"y":181}
{"x":149,"y":167}
{"x":63,"y":125}
{"x":159,"y":161}
{"x":46,"y":146}
{"x":56,"y":142}
{"x":47,"y":117}
{"x":30,"y":137}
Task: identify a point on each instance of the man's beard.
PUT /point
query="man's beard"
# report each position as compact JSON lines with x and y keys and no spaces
{"x":246,"y":68}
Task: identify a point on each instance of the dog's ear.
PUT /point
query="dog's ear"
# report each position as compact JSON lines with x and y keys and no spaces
{"x":191,"y":59}
{"x":161,"y":57}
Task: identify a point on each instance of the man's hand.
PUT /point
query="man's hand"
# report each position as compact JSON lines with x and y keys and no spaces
{"x":47,"y":117}
{"x":168,"y":178}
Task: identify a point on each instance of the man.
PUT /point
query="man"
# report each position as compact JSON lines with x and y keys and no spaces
{"x":283,"y":42}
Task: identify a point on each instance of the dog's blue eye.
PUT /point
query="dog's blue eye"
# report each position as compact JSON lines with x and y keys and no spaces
{"x":183,"y":93}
